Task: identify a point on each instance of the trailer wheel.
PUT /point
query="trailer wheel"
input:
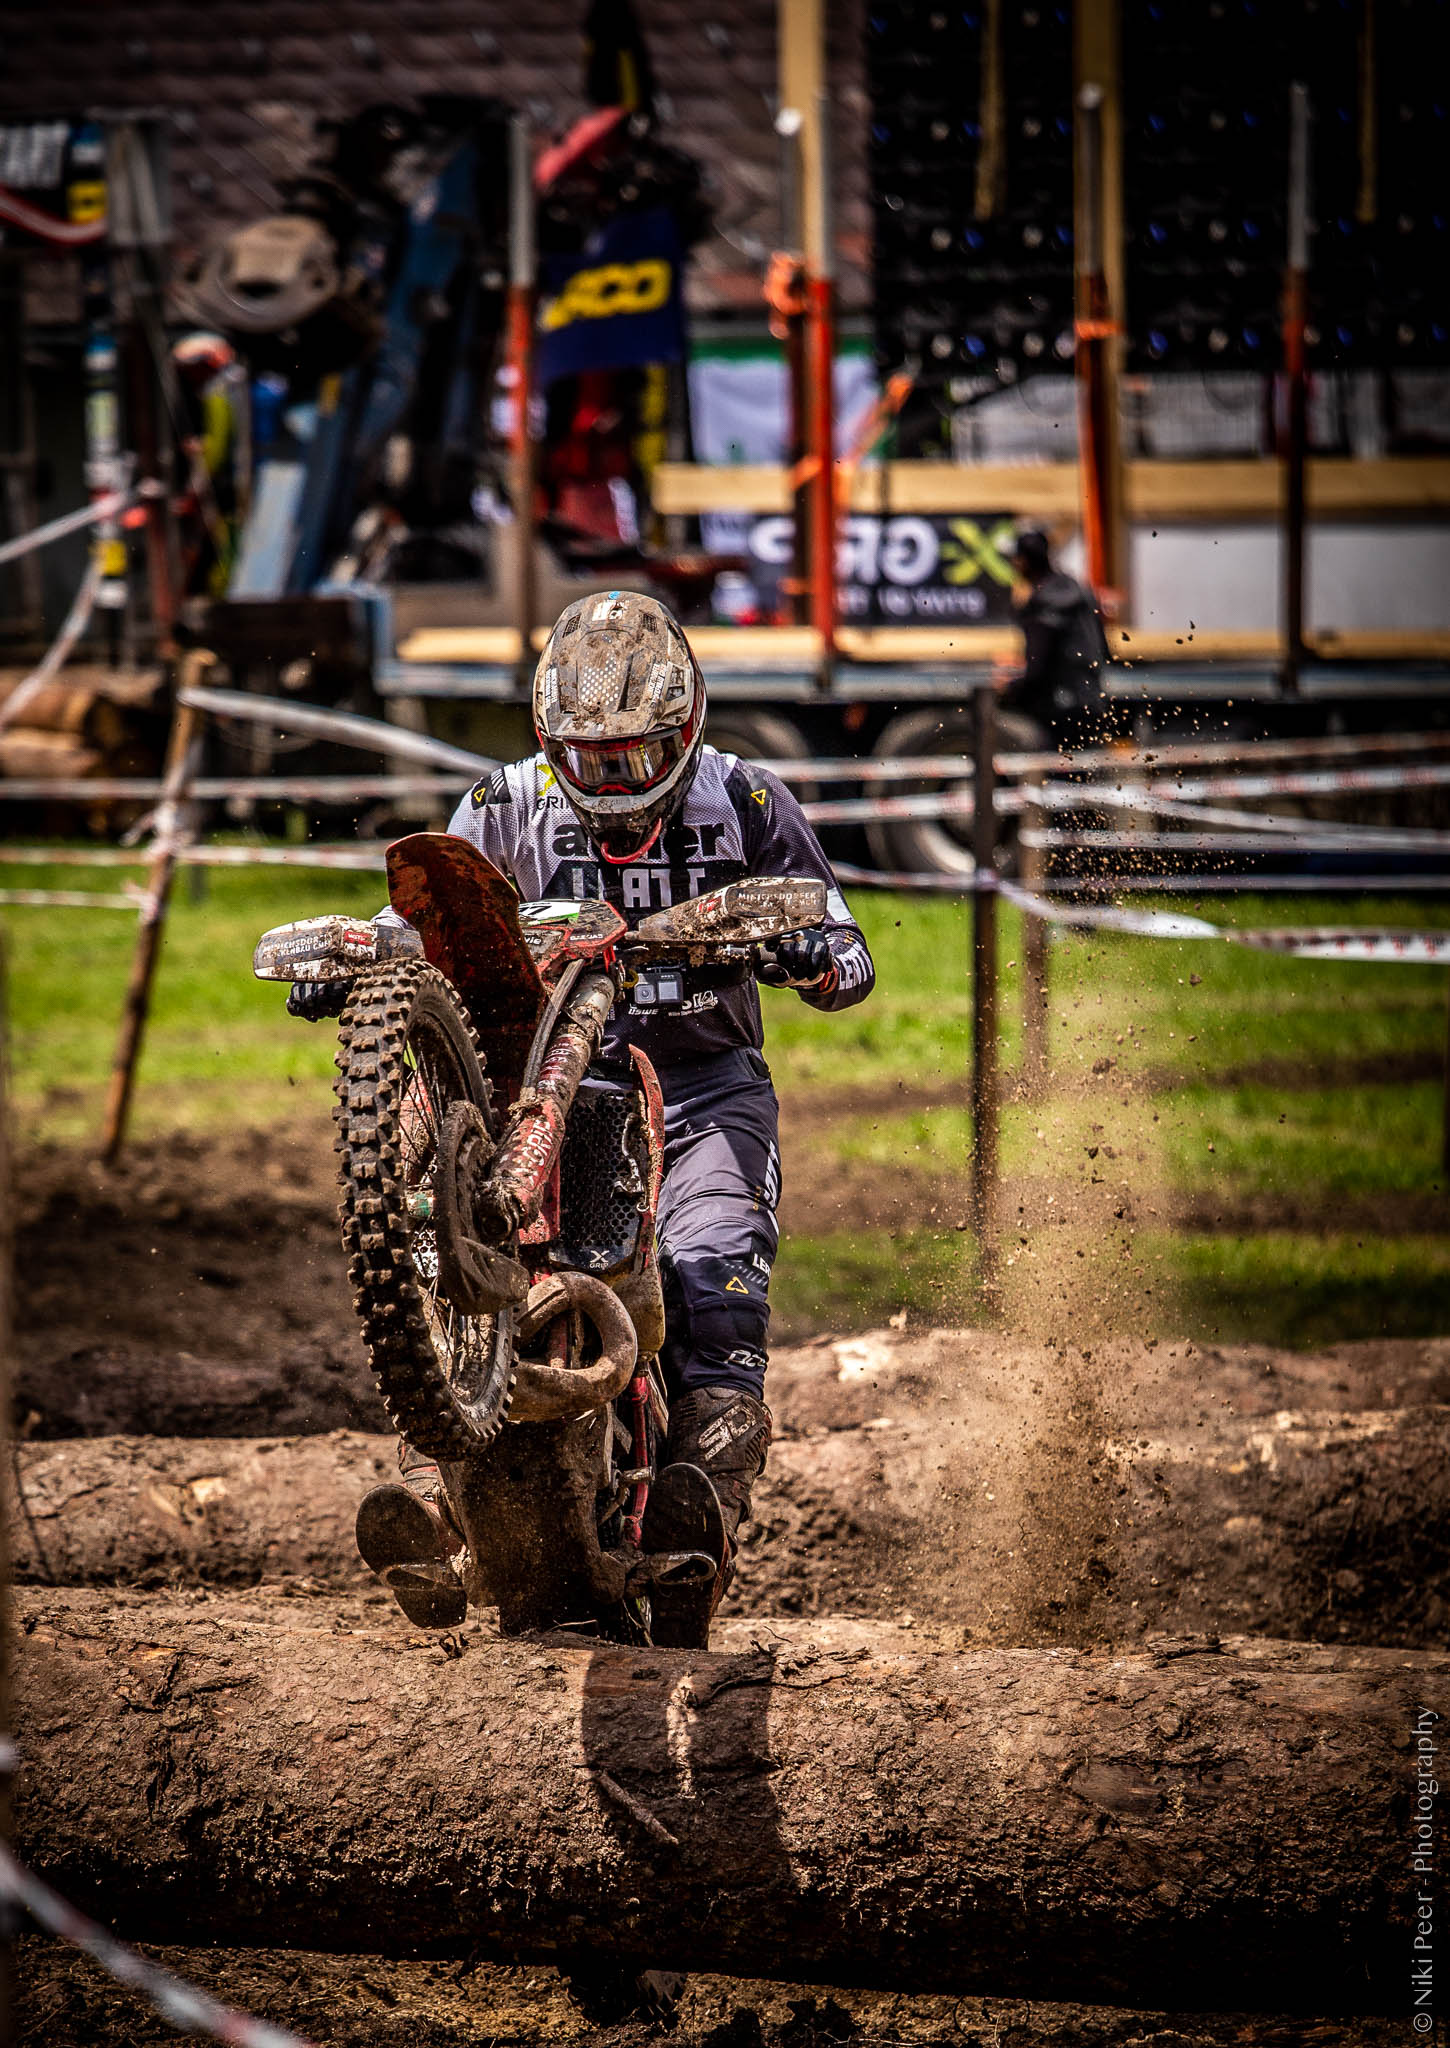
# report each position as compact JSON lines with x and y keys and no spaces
{"x":759,"y":736}
{"x":940,"y":846}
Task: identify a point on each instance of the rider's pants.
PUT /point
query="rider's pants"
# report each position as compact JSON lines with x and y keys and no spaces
{"x":717,"y":1228}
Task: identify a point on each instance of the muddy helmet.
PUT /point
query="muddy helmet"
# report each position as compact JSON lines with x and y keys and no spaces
{"x":619,"y":707}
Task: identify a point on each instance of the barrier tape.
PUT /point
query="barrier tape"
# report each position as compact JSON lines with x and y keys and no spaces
{"x":70,"y":899}
{"x":69,"y":522}
{"x":180,"y":2004}
{"x":1158,"y":798}
{"x":964,"y":884}
{"x":1258,"y":884}
{"x":1141,"y":800}
{"x":1310,"y":782}
{"x":217,"y":788}
{"x":360,"y":858}
{"x":850,"y":810}
{"x":1154,"y":924}
{"x":1095,"y":760}
{"x":346,"y":726}
{"x":365,"y":859}
{"x":1421,"y":946}
{"x":1415,"y":947}
{"x":58,"y":653}
{"x":1352,"y":839}
{"x":374,"y":733}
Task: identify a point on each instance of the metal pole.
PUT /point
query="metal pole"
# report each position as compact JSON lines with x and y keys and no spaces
{"x":1296,"y":283}
{"x":180,"y":768}
{"x":523,"y":281}
{"x":984,"y":987}
{"x":1035,"y":956}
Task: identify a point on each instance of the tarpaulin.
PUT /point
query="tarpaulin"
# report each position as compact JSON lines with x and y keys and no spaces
{"x":614,"y":303}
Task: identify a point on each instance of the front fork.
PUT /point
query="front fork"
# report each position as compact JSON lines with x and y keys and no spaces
{"x":528,"y":1153}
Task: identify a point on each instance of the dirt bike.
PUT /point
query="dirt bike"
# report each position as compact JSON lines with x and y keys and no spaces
{"x":499,"y":1185}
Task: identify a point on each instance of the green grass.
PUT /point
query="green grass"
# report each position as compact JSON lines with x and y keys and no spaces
{"x":1305,"y":1291}
{"x":219,"y":1046}
{"x":846,"y":1281}
{"x":1362,"y":1140}
{"x":1245,"y":1009}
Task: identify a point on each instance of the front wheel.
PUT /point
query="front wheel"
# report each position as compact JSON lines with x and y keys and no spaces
{"x":405,"y":1055}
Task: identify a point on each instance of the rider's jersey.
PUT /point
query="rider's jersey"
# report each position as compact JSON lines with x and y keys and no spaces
{"x":736,"y":820}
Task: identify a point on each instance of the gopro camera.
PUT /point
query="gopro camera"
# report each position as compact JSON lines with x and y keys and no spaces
{"x":659,"y":988}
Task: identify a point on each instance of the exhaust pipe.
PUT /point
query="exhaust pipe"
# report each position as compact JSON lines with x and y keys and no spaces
{"x":554,"y":1393}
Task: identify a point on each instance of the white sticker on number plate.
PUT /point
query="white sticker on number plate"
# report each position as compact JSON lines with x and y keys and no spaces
{"x":550,"y":910}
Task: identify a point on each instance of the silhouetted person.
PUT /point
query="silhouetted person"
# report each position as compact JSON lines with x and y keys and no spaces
{"x":1065,"y":652}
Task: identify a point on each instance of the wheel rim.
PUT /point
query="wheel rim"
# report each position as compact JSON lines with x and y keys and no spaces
{"x":471,"y":1350}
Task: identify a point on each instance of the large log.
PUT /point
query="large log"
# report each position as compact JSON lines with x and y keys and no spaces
{"x":1332,"y":1527}
{"x":1218,"y":1830}
{"x":147,"y":1511}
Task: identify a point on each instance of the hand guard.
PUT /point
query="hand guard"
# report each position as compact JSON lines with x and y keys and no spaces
{"x":315,"y":1000}
{"x":795,"y":960}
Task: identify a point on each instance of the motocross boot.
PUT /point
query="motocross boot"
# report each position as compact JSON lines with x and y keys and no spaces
{"x":406,"y":1535}
{"x":714,"y":1454}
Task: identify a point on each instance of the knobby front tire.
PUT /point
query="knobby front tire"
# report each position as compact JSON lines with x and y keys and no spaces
{"x":406,"y":1051}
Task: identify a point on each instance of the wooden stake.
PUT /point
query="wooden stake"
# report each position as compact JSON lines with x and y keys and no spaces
{"x":984,"y":987}
{"x":1035,"y":955}
{"x":168,"y":840}
{"x":7,"y":1638}
{"x":1445,"y":1110}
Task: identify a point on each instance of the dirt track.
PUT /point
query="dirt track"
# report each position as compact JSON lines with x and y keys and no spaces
{"x":202,"y":1294}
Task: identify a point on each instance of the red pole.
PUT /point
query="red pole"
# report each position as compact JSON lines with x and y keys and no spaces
{"x":1296,"y":293}
{"x":821,"y":358}
{"x":1094,"y":330}
{"x":520,"y":341}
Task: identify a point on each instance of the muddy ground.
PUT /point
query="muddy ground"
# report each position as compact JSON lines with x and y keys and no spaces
{"x":376,"y":2002}
{"x":201,"y":1292}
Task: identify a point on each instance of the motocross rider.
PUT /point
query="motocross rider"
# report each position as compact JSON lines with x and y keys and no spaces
{"x":625,"y":800}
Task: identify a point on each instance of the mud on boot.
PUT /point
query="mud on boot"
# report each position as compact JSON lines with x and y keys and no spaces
{"x":714,"y":1454}
{"x":405,"y":1536}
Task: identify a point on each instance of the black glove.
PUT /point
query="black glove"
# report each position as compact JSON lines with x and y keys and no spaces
{"x":315,"y":1000}
{"x":795,"y":960}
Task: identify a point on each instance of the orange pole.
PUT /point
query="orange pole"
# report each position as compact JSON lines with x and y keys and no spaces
{"x":821,"y":358}
{"x":520,"y":345}
{"x":1296,"y":296}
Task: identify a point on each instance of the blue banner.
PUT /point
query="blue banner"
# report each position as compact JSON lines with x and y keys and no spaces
{"x":616,"y":302}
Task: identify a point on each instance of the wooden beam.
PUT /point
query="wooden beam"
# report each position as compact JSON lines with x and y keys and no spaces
{"x":787,"y":647}
{"x":1338,"y":487}
{"x":801,"y":84}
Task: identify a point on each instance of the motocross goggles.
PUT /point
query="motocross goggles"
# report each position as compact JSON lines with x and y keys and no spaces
{"x":621,"y":767}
